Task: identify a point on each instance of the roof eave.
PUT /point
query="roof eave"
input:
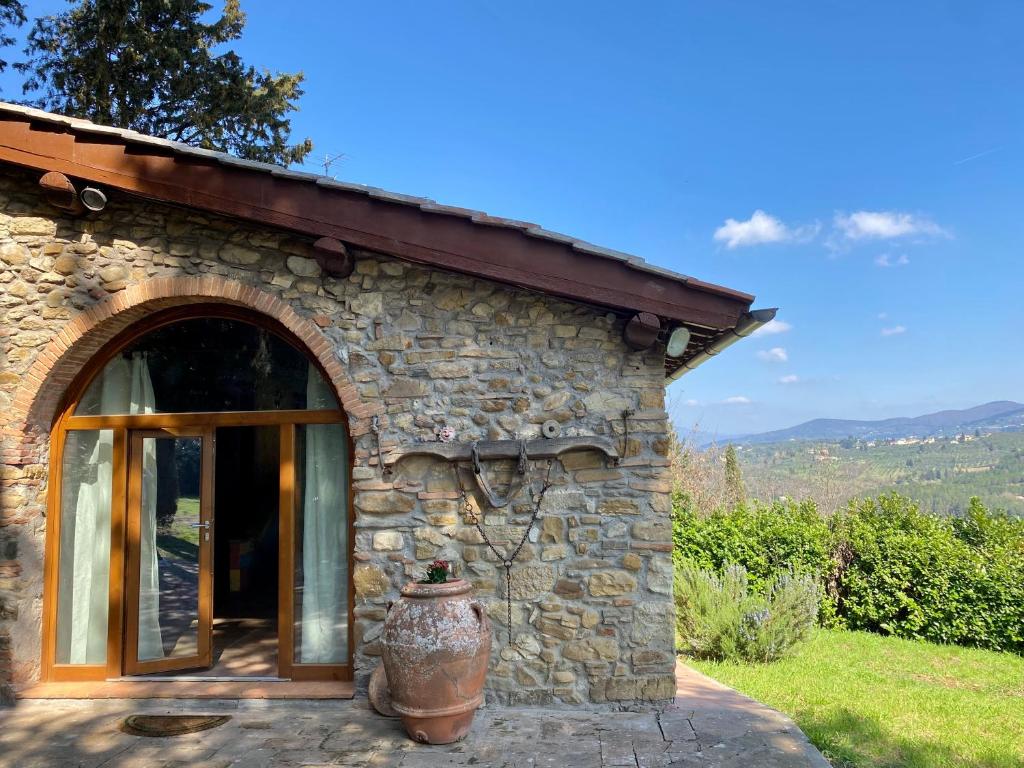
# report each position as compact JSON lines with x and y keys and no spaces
{"x":412,"y":228}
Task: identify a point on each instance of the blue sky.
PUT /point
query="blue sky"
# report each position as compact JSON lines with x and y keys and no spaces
{"x":857,"y":164}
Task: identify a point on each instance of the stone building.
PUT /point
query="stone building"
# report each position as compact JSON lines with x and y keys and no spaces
{"x":194,"y":345}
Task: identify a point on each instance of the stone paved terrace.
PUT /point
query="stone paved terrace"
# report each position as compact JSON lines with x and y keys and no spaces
{"x":708,"y":726}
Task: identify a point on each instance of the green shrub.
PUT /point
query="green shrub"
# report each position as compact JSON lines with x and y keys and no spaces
{"x":883,"y":565}
{"x":947,"y":580}
{"x":766,"y":539}
{"x":720,"y":617}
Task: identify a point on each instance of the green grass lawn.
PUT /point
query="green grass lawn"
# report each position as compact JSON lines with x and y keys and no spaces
{"x":867,"y":700}
{"x":180,"y":539}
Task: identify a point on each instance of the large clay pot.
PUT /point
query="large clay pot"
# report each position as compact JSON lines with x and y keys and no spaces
{"x":436,"y":644}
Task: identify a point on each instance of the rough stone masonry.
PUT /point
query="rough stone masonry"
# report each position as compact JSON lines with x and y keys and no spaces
{"x":593,"y":616}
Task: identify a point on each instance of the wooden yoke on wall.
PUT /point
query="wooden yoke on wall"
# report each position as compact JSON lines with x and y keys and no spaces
{"x":490,"y":450}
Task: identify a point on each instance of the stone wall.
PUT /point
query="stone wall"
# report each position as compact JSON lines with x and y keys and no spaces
{"x":592,"y":609}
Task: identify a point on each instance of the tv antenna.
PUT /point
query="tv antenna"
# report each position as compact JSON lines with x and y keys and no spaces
{"x":330,"y":160}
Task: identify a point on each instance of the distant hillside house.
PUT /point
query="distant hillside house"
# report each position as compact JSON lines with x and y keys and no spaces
{"x":205,"y":363}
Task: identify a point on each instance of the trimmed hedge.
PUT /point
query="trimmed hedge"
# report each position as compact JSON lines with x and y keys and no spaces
{"x":766,"y":539}
{"x":884,"y":565}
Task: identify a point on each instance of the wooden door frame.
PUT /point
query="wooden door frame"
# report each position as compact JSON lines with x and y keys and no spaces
{"x":287,"y":537}
{"x":66,"y":421}
{"x":204,"y":629}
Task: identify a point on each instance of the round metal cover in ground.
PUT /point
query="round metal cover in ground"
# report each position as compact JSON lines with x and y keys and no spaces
{"x":170,"y":725}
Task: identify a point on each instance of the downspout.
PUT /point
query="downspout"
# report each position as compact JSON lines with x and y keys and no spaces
{"x":748,"y":323}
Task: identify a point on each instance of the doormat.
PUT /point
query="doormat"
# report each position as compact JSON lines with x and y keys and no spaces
{"x":170,"y":725}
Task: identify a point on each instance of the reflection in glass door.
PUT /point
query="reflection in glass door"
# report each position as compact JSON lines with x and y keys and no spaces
{"x":169,"y":582}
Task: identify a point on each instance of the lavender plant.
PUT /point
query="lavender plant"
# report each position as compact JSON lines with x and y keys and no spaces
{"x":718,"y":616}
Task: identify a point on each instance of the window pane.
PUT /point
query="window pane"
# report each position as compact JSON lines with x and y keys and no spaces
{"x":321,"y":544}
{"x":84,"y":567}
{"x":169,"y":548}
{"x":206,"y":364}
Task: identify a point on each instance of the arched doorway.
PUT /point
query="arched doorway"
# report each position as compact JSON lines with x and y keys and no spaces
{"x":200,"y":507}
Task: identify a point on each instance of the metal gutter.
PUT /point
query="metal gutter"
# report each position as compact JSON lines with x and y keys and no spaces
{"x":749,"y":323}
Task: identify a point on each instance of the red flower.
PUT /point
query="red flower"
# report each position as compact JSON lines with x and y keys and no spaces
{"x":437,"y":573}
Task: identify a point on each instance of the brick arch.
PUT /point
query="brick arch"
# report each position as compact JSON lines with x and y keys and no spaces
{"x":55,"y":368}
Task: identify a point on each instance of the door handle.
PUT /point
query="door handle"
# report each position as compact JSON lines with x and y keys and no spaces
{"x":206,"y":529}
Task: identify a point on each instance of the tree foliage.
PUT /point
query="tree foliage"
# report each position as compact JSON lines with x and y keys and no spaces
{"x":940,"y":475}
{"x":697,"y":474}
{"x":12,"y":14}
{"x":157,"y":67}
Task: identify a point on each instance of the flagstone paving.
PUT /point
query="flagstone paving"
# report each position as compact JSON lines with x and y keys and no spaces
{"x":708,"y":726}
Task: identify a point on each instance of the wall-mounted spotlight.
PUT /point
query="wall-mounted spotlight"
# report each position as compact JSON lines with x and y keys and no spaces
{"x":678,"y":340}
{"x":93,"y":199}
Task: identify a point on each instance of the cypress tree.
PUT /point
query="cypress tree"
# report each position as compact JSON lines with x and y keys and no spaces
{"x":735,"y":490}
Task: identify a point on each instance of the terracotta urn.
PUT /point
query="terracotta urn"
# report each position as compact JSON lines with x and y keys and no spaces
{"x":436,"y":644}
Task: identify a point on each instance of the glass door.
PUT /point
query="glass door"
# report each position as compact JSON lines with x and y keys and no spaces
{"x":169,"y":578}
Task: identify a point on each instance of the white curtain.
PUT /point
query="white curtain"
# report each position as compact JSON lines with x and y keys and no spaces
{"x":124,"y":387}
{"x":324,"y":629}
{"x":84,"y":586}
{"x":150,"y":641}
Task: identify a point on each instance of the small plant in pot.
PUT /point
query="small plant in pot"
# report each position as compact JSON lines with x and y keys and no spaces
{"x":437,"y":573}
{"x":436,"y":644}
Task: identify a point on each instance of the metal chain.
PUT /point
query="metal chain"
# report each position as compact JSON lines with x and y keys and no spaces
{"x":375,"y":429}
{"x":506,"y":562}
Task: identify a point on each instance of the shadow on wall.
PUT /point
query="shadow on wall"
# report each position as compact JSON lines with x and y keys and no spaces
{"x":22,"y":527}
{"x":23,"y":490}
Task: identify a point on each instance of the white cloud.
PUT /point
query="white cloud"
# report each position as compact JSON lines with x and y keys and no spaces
{"x":737,"y":400}
{"x":773,"y":327}
{"x":895,"y":330}
{"x":790,"y":379}
{"x":885,"y":260}
{"x":882,"y":315}
{"x":773,"y":355}
{"x":884,"y":225}
{"x":693,"y":403}
{"x":761,"y":228}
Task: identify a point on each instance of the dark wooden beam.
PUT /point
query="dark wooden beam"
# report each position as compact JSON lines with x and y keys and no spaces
{"x":641,"y":331}
{"x":60,"y":192}
{"x":447,"y":241}
{"x":333,"y":257}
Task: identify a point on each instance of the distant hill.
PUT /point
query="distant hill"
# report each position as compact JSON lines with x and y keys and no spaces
{"x":999,"y":416}
{"x":940,"y":473}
